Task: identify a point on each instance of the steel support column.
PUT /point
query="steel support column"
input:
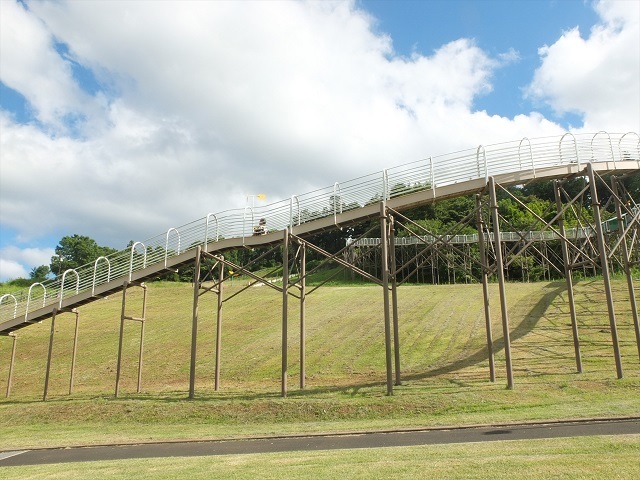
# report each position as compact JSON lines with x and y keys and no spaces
{"x":13,"y":358}
{"x":625,"y":261}
{"x":303,"y":299}
{"x":50,"y":354}
{"x":394,"y":300}
{"x":485,"y":288}
{"x":501,"y":283}
{"x":384,"y":245}
{"x":568,"y":275}
{"x":75,"y":349}
{"x":123,"y":317}
{"x":194,"y":323}
{"x":219,"y":323}
{"x":604,"y":263}
{"x":285,"y":305}
{"x":48,"y":371}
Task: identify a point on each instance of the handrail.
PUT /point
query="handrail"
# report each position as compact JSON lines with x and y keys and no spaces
{"x":484,"y":154}
{"x":64,"y":275}
{"x":206,"y":230}
{"x":433,"y":178}
{"x":533,"y":166}
{"x":15,"y":303}
{"x":385,"y":185}
{"x":166,"y":245}
{"x":440,"y":171}
{"x":44,"y":298}
{"x":291,"y":209}
{"x":244,"y":227}
{"x":620,"y":145}
{"x":575,"y":144}
{"x":613,"y":157}
{"x":144,"y":260}
{"x":337,"y":199}
{"x":95,"y":271}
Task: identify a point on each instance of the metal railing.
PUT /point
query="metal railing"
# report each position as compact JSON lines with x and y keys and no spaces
{"x":528,"y":154}
{"x":578,"y":233}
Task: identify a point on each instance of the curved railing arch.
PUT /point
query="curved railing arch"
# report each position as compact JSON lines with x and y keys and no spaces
{"x":533,"y":166}
{"x":637,"y":145}
{"x":144,"y":259}
{"x":613,"y":157}
{"x":486,"y":167}
{"x":166,"y":245}
{"x":244,"y":221}
{"x":206,"y":229}
{"x":44,"y":297}
{"x":291,"y":209}
{"x":575,"y":145}
{"x":95,"y":271}
{"x":15,"y":303}
{"x":64,"y":276}
{"x":432,"y":177}
{"x":337,"y":202}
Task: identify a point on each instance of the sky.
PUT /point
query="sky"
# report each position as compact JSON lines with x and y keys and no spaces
{"x":119,"y":120}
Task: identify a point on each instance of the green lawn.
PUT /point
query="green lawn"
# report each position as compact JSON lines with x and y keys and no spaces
{"x":554,"y":459}
{"x":443,"y":352}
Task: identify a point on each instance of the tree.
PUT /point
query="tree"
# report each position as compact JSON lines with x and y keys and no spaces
{"x":39,"y":274}
{"x":75,"y":251}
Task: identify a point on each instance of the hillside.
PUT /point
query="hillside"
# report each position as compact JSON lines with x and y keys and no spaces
{"x":441,"y":332}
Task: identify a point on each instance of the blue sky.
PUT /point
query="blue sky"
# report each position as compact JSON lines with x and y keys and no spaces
{"x":121,"y":119}
{"x":497,"y":26}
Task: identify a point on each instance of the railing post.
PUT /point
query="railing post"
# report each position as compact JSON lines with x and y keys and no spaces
{"x":206,"y":230}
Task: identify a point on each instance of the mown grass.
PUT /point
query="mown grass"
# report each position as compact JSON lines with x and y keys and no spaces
{"x":568,"y":458}
{"x":443,"y":350}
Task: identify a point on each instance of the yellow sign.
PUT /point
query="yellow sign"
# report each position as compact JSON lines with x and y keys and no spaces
{"x":261,"y":196}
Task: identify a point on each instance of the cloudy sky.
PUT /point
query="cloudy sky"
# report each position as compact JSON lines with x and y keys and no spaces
{"x":119,"y":120}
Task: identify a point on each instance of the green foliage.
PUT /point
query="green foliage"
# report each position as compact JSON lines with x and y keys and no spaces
{"x":76,"y":250}
{"x":39,"y":274}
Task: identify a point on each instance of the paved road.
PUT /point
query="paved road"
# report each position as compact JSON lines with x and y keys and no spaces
{"x":321,"y":442}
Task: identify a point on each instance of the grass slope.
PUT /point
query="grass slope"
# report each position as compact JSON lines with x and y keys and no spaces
{"x":443,"y":353}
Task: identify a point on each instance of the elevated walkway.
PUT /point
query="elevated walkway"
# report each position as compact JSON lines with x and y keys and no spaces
{"x":402,"y":187}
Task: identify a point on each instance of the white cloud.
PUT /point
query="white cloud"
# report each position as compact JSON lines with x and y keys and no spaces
{"x":210,"y":101}
{"x":18,"y":263}
{"x":598,"y":76}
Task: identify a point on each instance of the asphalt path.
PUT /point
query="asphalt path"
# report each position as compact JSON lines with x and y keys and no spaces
{"x":321,"y":442}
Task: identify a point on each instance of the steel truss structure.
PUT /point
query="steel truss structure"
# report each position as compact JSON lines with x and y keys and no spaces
{"x":587,"y":246}
{"x":589,"y":243}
